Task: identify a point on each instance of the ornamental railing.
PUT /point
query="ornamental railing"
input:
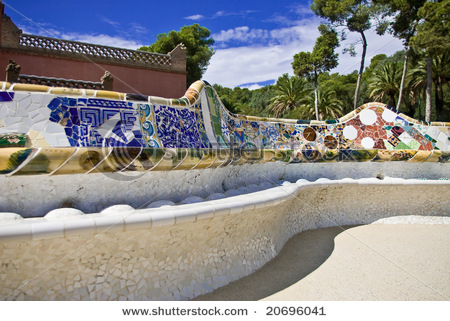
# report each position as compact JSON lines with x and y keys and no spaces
{"x":59,"y":82}
{"x":97,"y":51}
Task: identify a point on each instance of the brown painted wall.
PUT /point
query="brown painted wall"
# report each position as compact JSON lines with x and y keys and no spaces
{"x":126,"y":79}
{"x":40,"y":58}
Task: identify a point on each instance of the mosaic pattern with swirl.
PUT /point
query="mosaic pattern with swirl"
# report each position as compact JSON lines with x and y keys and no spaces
{"x":61,"y":131}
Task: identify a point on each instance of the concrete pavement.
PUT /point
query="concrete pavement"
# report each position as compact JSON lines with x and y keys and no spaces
{"x":371,"y":262}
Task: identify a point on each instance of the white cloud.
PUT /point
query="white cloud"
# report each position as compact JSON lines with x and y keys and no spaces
{"x":376,"y":44}
{"x":220,"y":13}
{"x":258,"y":85}
{"x":243,"y":34}
{"x":109,"y":21}
{"x":194,"y":17}
{"x":243,"y":65}
{"x":252,"y":87}
{"x":139,"y":28}
{"x":41,"y":29}
{"x":305,"y":30}
{"x":101,"y":39}
{"x":269,"y":53}
{"x":266,"y":57}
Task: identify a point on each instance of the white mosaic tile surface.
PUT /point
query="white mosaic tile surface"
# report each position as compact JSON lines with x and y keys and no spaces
{"x":177,"y":253}
{"x":96,"y":192}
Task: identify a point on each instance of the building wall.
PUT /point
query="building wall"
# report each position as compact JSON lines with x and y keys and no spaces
{"x":130,"y":75}
{"x":126,"y":79}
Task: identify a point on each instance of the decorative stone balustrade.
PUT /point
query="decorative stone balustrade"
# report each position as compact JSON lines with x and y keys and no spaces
{"x":91,"y":50}
{"x":59,"y":82}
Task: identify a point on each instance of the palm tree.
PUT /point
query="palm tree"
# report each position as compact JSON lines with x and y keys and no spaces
{"x":289,"y":91}
{"x":417,"y":82}
{"x":385,"y":82}
{"x":330,"y":107}
{"x":440,"y":76}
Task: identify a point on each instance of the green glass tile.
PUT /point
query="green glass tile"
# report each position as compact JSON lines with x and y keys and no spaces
{"x":413,"y":144}
{"x":388,"y":145}
{"x":402,"y":145}
{"x":362,"y":155}
{"x":13,"y":140}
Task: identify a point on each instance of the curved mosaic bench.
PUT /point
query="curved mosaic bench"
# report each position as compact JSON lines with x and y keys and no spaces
{"x":51,"y":137}
{"x":180,"y":252}
{"x":45,"y":130}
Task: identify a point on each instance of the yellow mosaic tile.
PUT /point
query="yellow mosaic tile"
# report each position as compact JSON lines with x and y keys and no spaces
{"x":83,"y":160}
{"x":222,"y":159}
{"x":403,"y":155}
{"x":267,"y":155}
{"x":4,"y":85}
{"x":147,"y":159}
{"x":27,"y":87}
{"x":192,"y":158}
{"x":421,"y":156}
{"x":208,"y":158}
{"x":11,"y":158}
{"x":66,"y":91}
{"x":434,"y":157}
{"x":118,"y":159}
{"x":168,"y":161}
{"x":109,"y":94}
{"x":383,"y":155}
{"x":47,"y":160}
{"x":158,"y":101}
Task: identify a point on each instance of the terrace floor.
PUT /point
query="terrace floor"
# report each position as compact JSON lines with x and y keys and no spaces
{"x":386,"y":262}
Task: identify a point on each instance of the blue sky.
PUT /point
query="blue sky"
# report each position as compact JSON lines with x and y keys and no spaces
{"x":255,"y":40}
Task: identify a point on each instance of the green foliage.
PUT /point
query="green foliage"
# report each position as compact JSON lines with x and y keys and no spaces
{"x":289,"y":92}
{"x":340,"y":12}
{"x":329,"y":105}
{"x":236,"y":100}
{"x":384,"y":84}
{"x":198,"y":45}
{"x":344,"y":87}
{"x":426,"y":24}
{"x":417,"y":80}
{"x":374,"y":63}
{"x":335,"y":87}
{"x":433,"y":34}
{"x":321,"y":59}
{"x":260,"y":101}
{"x":405,"y":16}
{"x":354,"y":14}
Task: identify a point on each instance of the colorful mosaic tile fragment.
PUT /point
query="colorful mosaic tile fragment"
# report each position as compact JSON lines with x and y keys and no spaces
{"x":71,"y":132}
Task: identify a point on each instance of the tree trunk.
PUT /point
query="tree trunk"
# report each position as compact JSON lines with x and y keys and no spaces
{"x":428,"y":91}
{"x":402,"y":83}
{"x":316,"y":100}
{"x":439,"y":98}
{"x":361,"y":69}
{"x":392,"y":100}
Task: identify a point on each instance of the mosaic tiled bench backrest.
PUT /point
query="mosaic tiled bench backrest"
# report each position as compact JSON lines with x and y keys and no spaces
{"x":45,"y":130}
